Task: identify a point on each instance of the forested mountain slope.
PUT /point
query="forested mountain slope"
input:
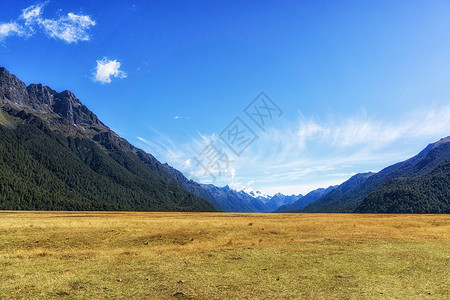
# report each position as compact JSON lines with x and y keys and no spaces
{"x":56,"y":154}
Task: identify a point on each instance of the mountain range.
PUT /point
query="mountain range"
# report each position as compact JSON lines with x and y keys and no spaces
{"x":57,"y":155}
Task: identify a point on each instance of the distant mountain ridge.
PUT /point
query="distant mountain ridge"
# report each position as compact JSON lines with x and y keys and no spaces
{"x":280,"y":200}
{"x":305,"y":200}
{"x":230,"y":200}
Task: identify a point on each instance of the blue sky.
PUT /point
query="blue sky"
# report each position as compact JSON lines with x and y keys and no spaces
{"x":361,"y":84}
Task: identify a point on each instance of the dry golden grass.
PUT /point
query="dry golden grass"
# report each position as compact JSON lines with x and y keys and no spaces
{"x":223,"y":256}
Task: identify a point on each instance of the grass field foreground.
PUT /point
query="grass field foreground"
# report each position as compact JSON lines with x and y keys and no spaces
{"x":223,"y":256}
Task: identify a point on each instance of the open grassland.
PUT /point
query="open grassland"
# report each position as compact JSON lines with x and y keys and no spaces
{"x":223,"y":256}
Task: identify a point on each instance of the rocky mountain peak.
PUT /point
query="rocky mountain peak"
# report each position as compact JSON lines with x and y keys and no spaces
{"x":63,"y":106}
{"x":12,"y":89}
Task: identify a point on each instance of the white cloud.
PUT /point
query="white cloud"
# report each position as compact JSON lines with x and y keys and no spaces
{"x":106,"y":69}
{"x":70,"y":28}
{"x":7,"y":29}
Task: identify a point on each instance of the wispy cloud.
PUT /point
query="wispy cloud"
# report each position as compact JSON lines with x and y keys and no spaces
{"x":106,"y":69}
{"x":178,"y":117}
{"x":366,"y":132}
{"x":171,"y":152}
{"x":32,"y":13}
{"x":70,"y":28}
{"x":12,"y":28}
{"x":311,"y":153}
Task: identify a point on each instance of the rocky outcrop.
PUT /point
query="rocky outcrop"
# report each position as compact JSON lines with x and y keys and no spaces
{"x":12,"y":90}
{"x":37,"y":93}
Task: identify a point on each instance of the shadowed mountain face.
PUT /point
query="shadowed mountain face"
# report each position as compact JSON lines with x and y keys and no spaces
{"x":46,"y":134}
{"x":425,"y":190}
{"x":417,"y":185}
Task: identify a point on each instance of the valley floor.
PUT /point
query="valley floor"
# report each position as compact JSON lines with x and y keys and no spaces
{"x":223,"y":256}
